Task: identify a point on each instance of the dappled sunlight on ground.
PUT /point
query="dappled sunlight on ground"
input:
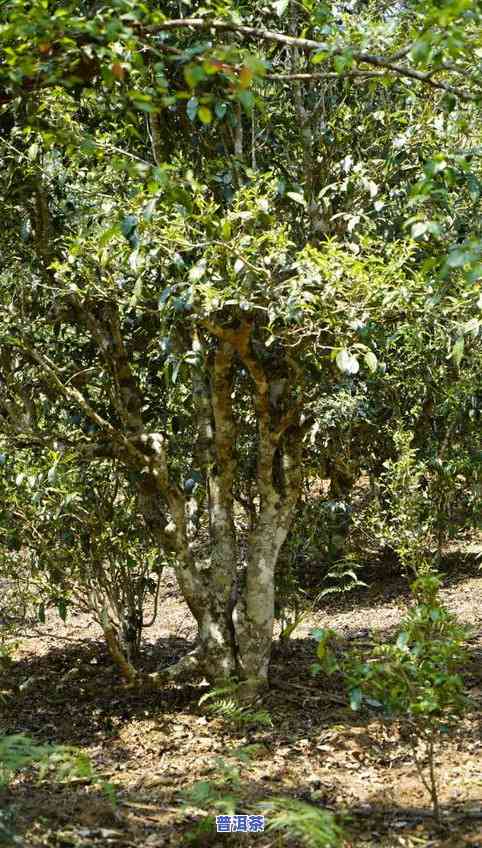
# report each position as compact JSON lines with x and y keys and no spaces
{"x":63,"y":688}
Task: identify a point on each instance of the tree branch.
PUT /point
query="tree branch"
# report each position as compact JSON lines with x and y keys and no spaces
{"x":108,"y":335}
{"x":309,"y":45}
{"x":326,"y":75}
{"x":53,"y":373}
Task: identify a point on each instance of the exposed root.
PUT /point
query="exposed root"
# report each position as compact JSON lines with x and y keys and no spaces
{"x":188,"y":668}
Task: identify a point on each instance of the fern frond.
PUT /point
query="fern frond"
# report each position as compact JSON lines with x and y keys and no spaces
{"x":315,"y":827}
{"x":230,"y":710}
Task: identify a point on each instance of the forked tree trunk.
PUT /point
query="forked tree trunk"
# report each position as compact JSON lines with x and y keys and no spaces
{"x":235,"y":615}
{"x":230,"y":594}
{"x":232,"y":599}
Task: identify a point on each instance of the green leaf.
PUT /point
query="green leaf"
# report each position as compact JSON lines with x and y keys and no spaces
{"x":197,"y":271}
{"x":193,"y":74}
{"x":355,"y":699}
{"x":109,"y":234}
{"x":371,"y":361}
{"x":32,"y":151}
{"x":128,"y":225}
{"x":62,"y":609}
{"x":435,"y":166}
{"x":320,"y":56}
{"x":475,"y":274}
{"x":419,"y":229}
{"x":343,"y":62}
{"x":220,"y":110}
{"x":205,"y":115}
{"x":246,"y":98}
{"x":472,"y":327}
{"x":192,"y":107}
{"x":136,"y":294}
{"x":420,"y":50}
{"x":26,"y":230}
{"x":145,"y":106}
{"x":226,"y":229}
{"x":297,"y":197}
{"x":458,"y":350}
{"x":475,"y":187}
{"x":346,"y":362}
{"x":164,"y":296}
{"x":280,"y":7}
{"x":149,"y":209}
{"x":458,"y":258}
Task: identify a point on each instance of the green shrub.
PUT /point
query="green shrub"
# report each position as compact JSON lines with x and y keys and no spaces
{"x":415,"y":679}
{"x":63,"y":762}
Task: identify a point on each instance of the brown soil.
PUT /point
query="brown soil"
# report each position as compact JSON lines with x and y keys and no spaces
{"x":62,"y":688}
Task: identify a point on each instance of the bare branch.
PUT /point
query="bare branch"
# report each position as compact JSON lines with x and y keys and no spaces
{"x":310,"y":45}
{"x":326,"y":75}
{"x":53,"y":373}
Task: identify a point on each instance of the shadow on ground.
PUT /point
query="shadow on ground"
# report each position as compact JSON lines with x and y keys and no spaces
{"x":73,"y":692}
{"x":152,"y":745}
{"x":82,"y":817}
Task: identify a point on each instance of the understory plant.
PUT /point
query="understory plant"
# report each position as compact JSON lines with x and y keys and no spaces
{"x":415,"y":679}
{"x":315,"y":827}
{"x":400,"y":517}
{"x":424,"y":496}
{"x":225,"y":704}
{"x":292,"y":819}
{"x":18,"y":751}
{"x":61,"y":763}
{"x":71,"y":537}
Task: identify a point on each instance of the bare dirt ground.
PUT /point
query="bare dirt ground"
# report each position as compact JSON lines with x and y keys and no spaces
{"x":63,"y":688}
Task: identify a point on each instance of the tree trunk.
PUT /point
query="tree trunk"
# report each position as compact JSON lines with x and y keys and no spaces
{"x":254,"y":612}
{"x":279,"y":482}
{"x":234,"y":605}
{"x":230,"y":593}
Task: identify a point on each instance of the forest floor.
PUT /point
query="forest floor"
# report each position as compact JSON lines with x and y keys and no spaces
{"x":63,"y":688}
